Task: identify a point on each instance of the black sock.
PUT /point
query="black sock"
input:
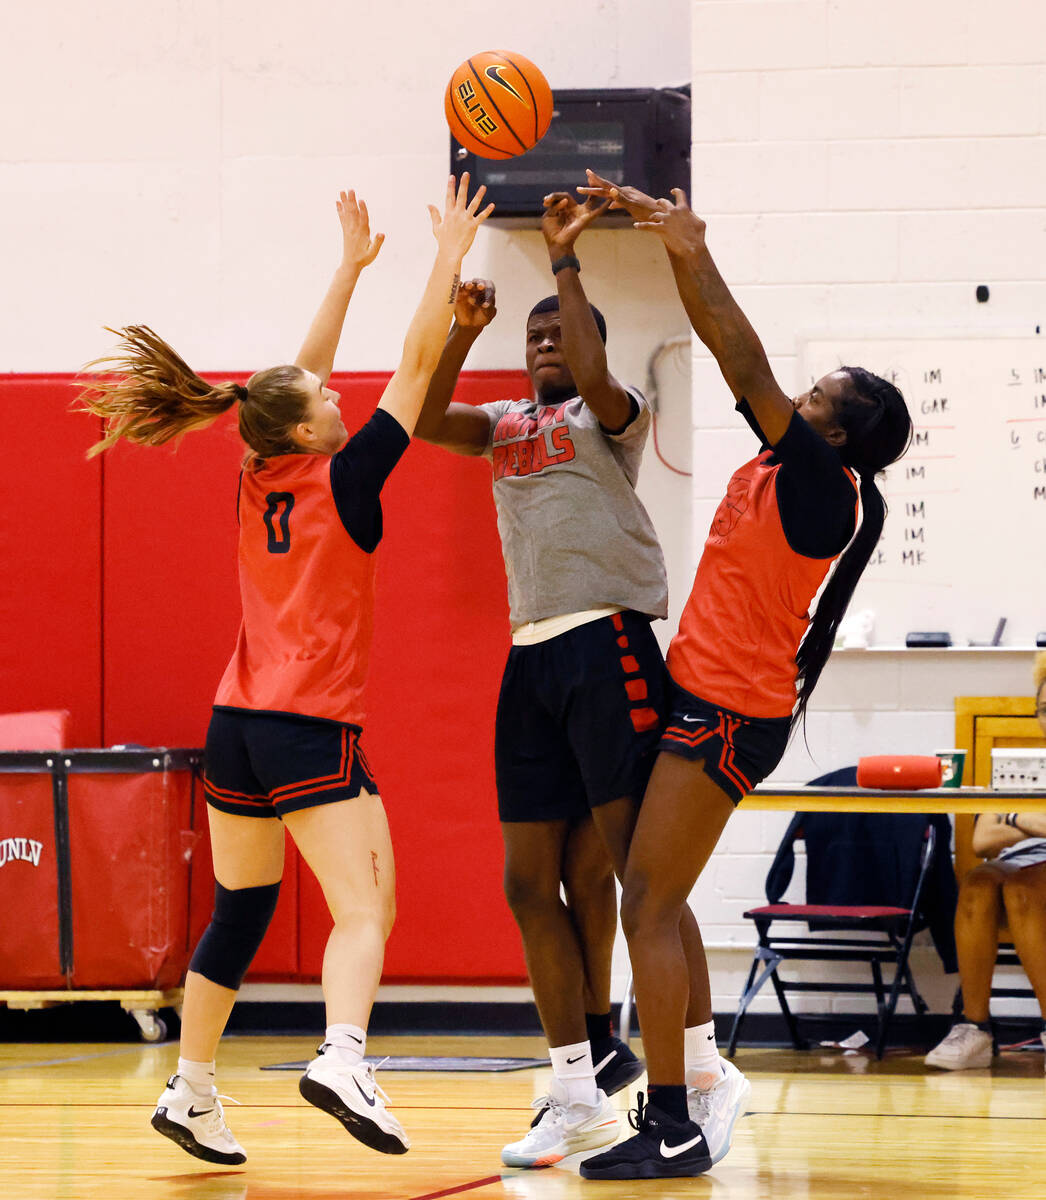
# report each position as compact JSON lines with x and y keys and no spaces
{"x":600,"y":1031}
{"x":985,"y":1026}
{"x":669,"y":1099}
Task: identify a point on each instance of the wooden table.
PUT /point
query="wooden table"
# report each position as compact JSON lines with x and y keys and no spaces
{"x":928,"y":800}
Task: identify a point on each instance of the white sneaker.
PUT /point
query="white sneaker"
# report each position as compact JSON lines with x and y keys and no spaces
{"x":353,"y":1096}
{"x":564,"y":1129}
{"x":965,"y":1047}
{"x":196,"y":1123}
{"x":715,"y":1103}
{"x":1042,"y":1038}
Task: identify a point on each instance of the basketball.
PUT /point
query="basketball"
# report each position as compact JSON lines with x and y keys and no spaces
{"x":498,"y":104}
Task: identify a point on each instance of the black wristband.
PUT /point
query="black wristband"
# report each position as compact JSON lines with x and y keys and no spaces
{"x":561,"y":264}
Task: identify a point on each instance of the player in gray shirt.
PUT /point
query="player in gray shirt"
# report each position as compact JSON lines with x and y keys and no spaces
{"x":581,"y":702}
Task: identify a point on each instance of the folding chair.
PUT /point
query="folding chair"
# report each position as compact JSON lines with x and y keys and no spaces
{"x":878,"y":863}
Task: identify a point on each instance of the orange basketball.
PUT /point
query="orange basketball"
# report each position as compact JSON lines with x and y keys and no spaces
{"x":498,"y":104}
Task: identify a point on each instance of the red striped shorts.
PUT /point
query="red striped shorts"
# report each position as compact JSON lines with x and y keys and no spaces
{"x":738,"y":751}
{"x":260,"y":764}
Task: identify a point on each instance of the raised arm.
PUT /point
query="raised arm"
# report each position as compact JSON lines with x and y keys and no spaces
{"x":358,"y":250}
{"x":454,"y":231}
{"x":458,"y":427}
{"x":583,"y":348}
{"x":715,"y":315}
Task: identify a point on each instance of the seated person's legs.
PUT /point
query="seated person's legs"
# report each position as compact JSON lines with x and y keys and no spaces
{"x":978,"y":917}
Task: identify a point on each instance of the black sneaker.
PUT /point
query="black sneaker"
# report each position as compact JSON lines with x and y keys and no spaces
{"x":662,"y":1148}
{"x":618,"y":1068}
{"x":614,"y":1071}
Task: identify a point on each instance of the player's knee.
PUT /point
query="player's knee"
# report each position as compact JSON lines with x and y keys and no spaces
{"x":388,"y":916}
{"x":592,"y":877}
{"x":528,"y":896}
{"x":641,"y":911}
{"x":633,"y":895}
{"x":353,"y":911}
{"x":238,"y":924}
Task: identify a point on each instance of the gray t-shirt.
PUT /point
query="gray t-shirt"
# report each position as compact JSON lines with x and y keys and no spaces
{"x":573,"y":531}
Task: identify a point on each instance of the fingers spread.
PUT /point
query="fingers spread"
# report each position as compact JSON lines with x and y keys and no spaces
{"x":480,"y":193}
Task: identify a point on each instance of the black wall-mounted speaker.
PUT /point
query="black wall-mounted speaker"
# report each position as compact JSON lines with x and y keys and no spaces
{"x":639,"y":136}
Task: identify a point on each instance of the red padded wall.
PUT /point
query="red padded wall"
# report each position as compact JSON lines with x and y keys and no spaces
{"x":157,"y":528}
{"x":50,"y":548}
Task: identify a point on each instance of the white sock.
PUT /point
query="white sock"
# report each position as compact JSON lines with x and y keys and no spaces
{"x":349,"y":1041}
{"x":198,"y":1075}
{"x":700,"y":1052}
{"x":573,"y":1069}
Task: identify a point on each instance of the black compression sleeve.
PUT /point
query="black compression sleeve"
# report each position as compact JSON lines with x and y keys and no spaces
{"x":815,"y":496}
{"x":358,"y":473}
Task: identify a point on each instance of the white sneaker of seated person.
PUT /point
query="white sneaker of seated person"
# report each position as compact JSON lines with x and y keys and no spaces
{"x":563,"y":1130}
{"x":964,"y":1048}
{"x":196,"y":1122}
{"x":353,"y":1096}
{"x":715,"y":1103}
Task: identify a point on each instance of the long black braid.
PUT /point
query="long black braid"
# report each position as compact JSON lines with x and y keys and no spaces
{"x":878,"y":432}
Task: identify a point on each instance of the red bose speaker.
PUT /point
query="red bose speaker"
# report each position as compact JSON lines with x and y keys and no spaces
{"x":899,"y":771}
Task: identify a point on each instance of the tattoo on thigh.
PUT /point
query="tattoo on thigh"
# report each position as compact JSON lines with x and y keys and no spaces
{"x":374,"y":865}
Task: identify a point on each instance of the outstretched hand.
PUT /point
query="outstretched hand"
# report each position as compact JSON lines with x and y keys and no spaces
{"x":564,"y":220}
{"x":359,"y":249}
{"x":637,"y":204}
{"x":461,"y":218}
{"x":678,"y":226}
{"x":476,"y":305}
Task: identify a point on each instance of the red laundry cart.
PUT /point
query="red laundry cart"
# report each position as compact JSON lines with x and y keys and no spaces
{"x":96,"y":860}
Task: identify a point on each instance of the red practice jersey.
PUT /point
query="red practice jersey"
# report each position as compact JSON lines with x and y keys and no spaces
{"x":308,"y":597}
{"x":749,"y":607}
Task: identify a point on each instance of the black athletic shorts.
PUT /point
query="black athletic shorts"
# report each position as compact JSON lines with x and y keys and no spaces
{"x":738,"y":751}
{"x":579,"y":718}
{"x":268,"y":764}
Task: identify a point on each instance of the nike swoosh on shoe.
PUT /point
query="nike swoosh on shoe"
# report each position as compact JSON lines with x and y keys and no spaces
{"x":674,"y":1151}
{"x":603,"y":1062}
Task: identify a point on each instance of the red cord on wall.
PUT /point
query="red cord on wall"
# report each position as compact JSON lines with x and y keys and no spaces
{"x":661,"y":457}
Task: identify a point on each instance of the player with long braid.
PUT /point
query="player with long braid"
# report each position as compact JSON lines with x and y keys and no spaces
{"x":743,"y":666}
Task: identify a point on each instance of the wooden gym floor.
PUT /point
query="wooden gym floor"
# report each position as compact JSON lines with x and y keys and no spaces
{"x":74,"y":1125}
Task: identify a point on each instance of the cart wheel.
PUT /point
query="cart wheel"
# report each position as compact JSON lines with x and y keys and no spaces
{"x":154,"y":1028}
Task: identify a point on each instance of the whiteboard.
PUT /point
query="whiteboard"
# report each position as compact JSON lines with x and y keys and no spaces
{"x":965,"y":539}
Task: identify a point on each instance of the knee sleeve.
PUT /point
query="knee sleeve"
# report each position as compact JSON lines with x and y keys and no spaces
{"x":239,"y":921}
